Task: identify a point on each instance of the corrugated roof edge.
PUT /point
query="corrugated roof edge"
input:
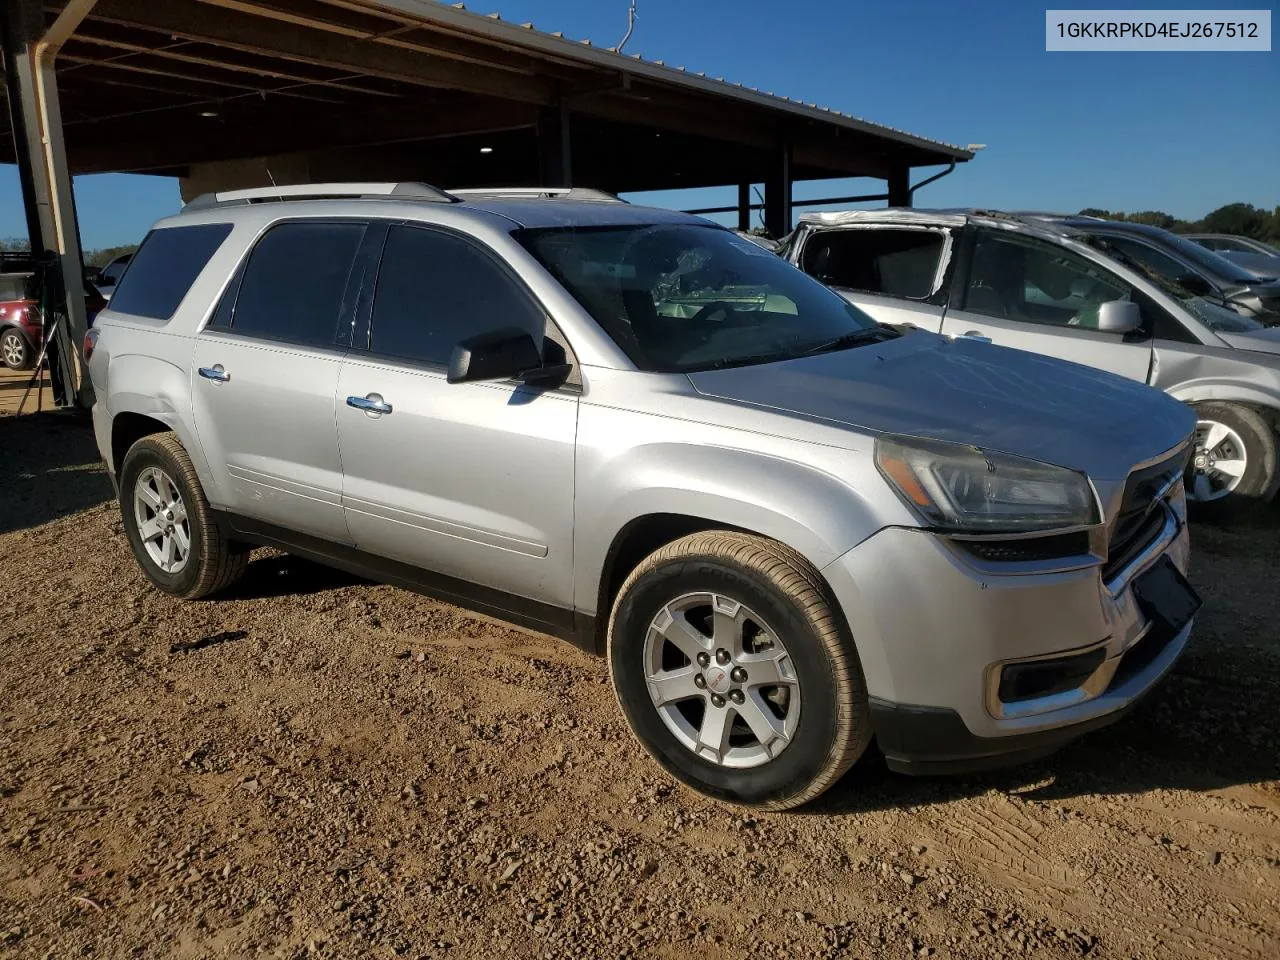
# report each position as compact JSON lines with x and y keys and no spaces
{"x":526,"y":36}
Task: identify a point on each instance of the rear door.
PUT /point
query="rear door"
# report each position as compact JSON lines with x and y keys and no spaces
{"x":1022,"y":292}
{"x":265,"y":376}
{"x":895,"y":272}
{"x":469,"y":480}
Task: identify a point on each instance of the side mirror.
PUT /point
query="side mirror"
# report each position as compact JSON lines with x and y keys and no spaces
{"x":1194,"y":283}
{"x":506,"y":354}
{"x":1119,"y":316}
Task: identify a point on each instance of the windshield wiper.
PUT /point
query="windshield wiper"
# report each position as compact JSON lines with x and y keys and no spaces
{"x":850,"y":339}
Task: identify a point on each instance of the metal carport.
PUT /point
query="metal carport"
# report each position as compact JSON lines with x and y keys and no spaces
{"x":231,"y":93}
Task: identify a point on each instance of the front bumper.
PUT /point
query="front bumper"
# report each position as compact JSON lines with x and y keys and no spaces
{"x":934,"y":630}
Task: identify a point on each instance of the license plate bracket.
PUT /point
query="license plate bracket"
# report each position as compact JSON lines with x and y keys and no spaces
{"x":1166,"y":597}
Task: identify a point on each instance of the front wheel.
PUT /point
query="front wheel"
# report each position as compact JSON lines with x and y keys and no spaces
{"x":734,"y":671}
{"x":1233,"y":467}
{"x":15,"y":351}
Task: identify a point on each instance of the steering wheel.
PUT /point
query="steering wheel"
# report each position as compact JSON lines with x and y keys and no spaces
{"x":711,"y":308}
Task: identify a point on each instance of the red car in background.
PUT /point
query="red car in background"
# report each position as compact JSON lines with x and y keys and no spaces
{"x":22,"y":328}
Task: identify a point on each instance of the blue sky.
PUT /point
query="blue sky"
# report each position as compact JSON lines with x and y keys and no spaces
{"x":1180,"y":132}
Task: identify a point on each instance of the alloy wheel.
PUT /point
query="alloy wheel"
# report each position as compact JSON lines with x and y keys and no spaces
{"x":1218,"y":464}
{"x":721,"y":680}
{"x":161,"y":518}
{"x":13,"y":350}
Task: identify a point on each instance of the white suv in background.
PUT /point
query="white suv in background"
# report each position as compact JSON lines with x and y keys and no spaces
{"x":1019,"y":281}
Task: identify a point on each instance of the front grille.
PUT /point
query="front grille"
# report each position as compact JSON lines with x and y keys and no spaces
{"x":1139,"y":520}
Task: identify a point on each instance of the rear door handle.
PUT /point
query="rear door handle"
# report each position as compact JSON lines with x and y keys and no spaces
{"x":215,"y":373}
{"x":372,"y":404}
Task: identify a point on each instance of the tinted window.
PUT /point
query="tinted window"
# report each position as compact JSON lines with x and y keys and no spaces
{"x":899,"y":263}
{"x":294,"y":282}
{"x":165,"y":266}
{"x":1034,"y":282}
{"x":435,"y":289}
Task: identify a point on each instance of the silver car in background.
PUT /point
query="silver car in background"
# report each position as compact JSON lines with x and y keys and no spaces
{"x":1023,"y":281}
{"x":1260,"y":259}
{"x":788,"y":529}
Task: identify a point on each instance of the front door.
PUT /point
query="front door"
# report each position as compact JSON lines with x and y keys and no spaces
{"x":469,"y":480}
{"x":1033,"y":295}
{"x":265,"y":379}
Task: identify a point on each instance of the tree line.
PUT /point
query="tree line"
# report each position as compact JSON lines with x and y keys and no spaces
{"x":92,"y":258}
{"x":1237,"y":219}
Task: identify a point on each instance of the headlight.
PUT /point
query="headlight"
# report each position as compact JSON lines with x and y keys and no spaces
{"x":963,"y":488}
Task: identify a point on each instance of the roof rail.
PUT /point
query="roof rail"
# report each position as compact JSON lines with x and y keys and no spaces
{"x":540,"y":193}
{"x":316,"y":191}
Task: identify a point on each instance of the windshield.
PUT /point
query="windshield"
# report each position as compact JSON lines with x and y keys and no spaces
{"x":684,"y":297}
{"x":1214,"y":315}
{"x":1215,"y":263}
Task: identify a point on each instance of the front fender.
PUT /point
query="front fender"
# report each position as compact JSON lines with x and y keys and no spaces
{"x":1227,"y":391}
{"x":805,"y":505}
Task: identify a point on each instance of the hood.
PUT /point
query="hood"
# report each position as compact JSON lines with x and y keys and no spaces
{"x":931,"y":387}
{"x":1266,"y":340}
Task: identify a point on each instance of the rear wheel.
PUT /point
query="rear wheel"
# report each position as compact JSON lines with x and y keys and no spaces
{"x":1234,"y":467}
{"x":169,"y":524}
{"x":734,"y":671}
{"x":15,"y":352}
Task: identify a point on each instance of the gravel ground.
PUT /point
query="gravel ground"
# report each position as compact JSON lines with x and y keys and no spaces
{"x":316,"y":766}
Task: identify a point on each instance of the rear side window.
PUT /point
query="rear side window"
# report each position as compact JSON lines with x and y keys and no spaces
{"x":896,"y":263}
{"x":435,"y":289}
{"x":165,"y":267}
{"x":294,"y":282}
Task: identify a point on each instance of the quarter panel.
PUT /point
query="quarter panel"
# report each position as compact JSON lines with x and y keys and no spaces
{"x":154,"y":384}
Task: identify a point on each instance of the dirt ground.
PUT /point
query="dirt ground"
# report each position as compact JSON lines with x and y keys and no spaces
{"x":314,"y":765}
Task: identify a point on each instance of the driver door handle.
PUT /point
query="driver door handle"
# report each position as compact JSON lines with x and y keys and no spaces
{"x":215,"y":373}
{"x":372,"y":404}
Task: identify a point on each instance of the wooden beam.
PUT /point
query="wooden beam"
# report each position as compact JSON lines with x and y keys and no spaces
{"x":188,"y":79}
{"x":178,"y":56}
{"x":245,"y":32}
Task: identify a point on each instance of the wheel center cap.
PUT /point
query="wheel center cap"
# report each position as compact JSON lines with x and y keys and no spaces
{"x":718,"y":680}
{"x":1202,"y":461}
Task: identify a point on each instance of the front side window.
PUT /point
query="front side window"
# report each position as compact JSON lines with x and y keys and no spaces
{"x":679,"y":297}
{"x":1019,"y":279}
{"x":165,"y":267}
{"x":436,"y":290}
{"x":294,"y":282}
{"x":894,"y":262}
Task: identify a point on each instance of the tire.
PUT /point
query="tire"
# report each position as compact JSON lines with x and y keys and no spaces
{"x":1209,"y":492}
{"x":210,"y":563}
{"x":778,"y":591}
{"x":15,"y":352}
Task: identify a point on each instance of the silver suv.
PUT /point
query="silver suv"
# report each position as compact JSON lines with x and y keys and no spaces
{"x":788,"y":528}
{"x":1078,"y":293}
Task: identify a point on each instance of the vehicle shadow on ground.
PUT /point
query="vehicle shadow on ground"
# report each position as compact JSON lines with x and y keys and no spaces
{"x":282,"y":575}
{"x":49,"y":468}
